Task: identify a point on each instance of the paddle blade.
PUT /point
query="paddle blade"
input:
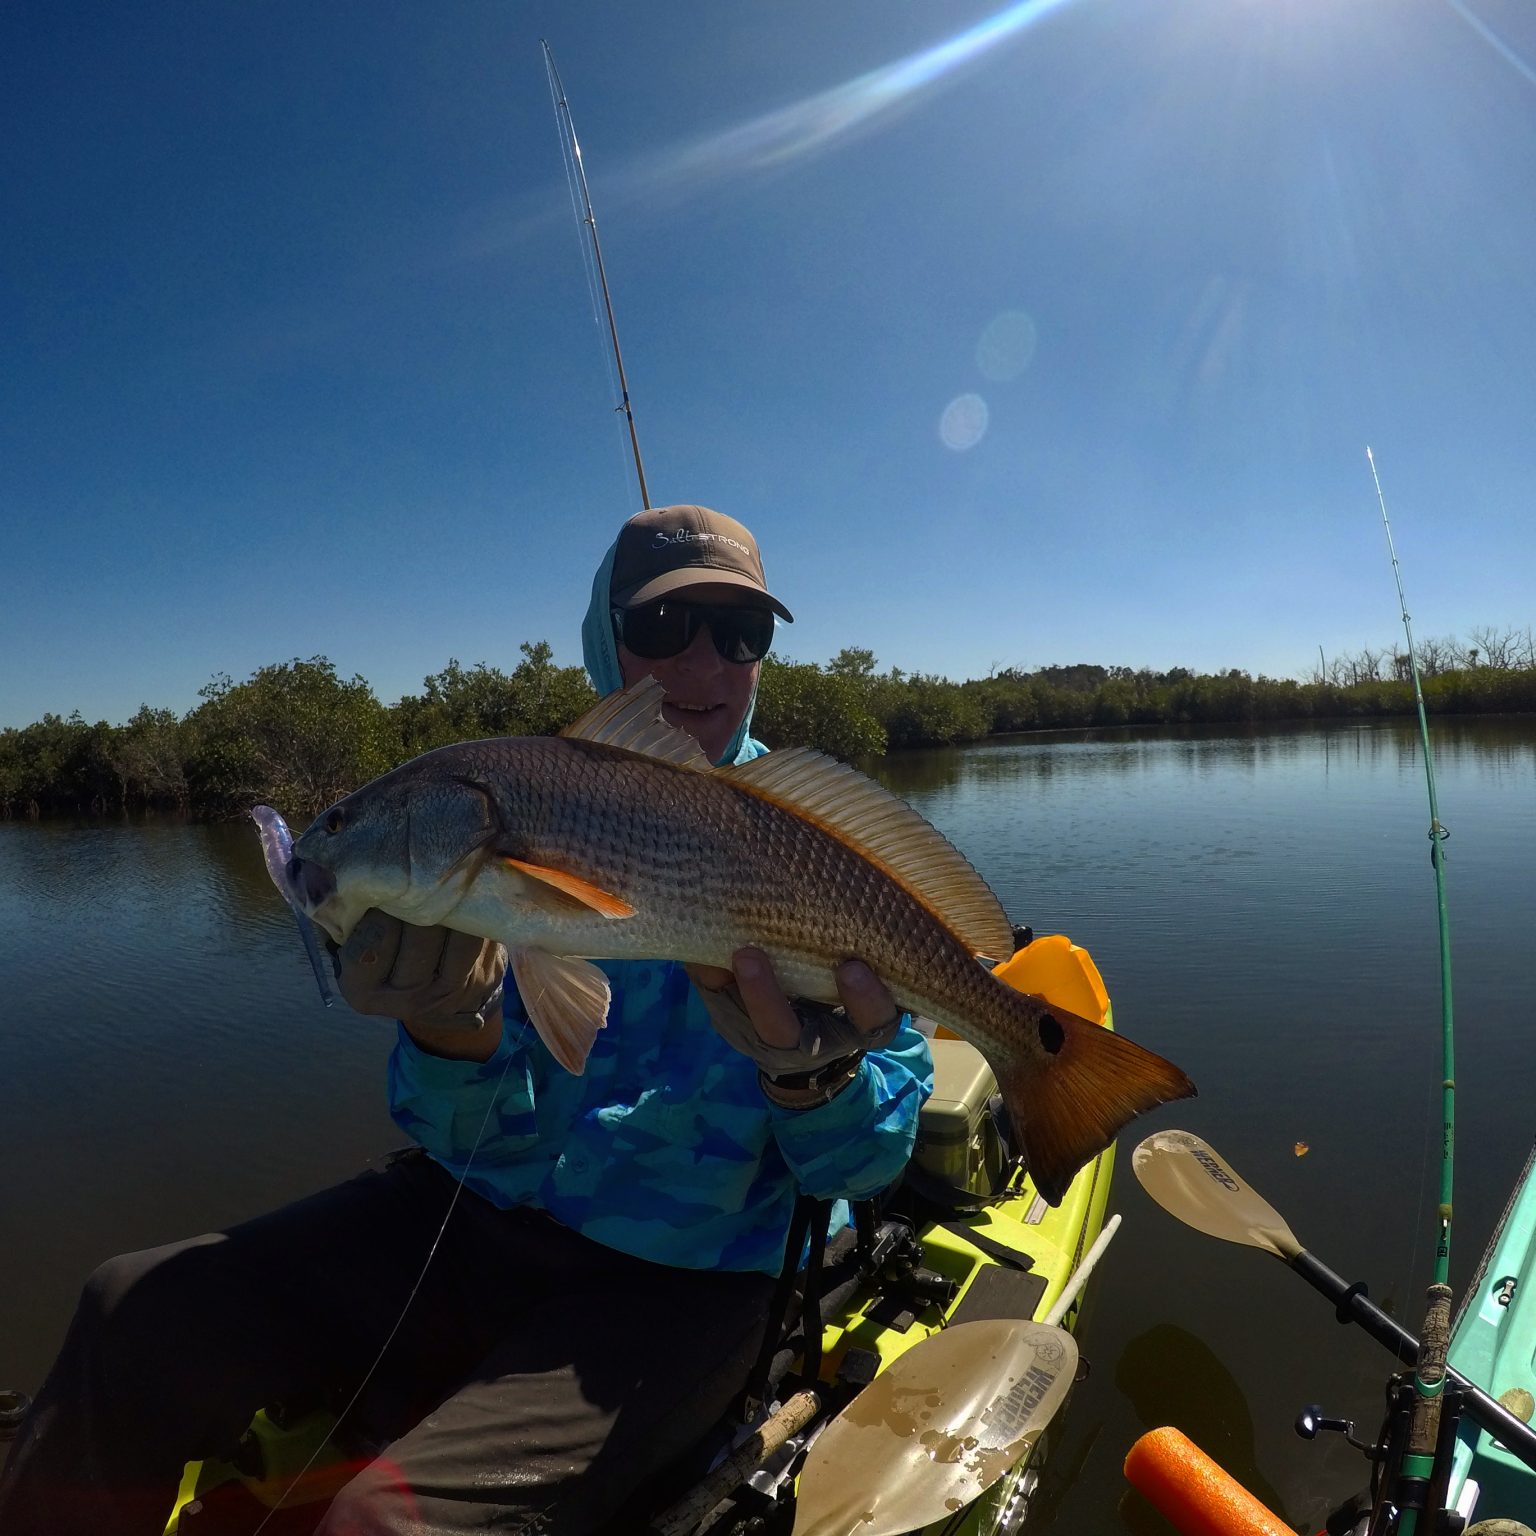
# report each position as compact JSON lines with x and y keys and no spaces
{"x":1191,"y":1182}
{"x":936,"y":1429}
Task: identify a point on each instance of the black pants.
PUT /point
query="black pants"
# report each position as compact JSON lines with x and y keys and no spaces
{"x":537,"y":1380}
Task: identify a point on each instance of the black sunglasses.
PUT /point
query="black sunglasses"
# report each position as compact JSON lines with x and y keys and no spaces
{"x":659,"y":630}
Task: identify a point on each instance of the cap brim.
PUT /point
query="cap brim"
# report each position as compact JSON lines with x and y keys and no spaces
{"x":699,"y":579}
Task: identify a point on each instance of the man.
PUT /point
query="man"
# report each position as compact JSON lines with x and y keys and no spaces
{"x":529,"y":1351}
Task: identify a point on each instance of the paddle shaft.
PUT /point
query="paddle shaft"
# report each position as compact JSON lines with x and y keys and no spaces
{"x":1352,"y":1305}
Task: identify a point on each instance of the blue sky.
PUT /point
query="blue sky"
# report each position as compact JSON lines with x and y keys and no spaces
{"x":1020,"y":334}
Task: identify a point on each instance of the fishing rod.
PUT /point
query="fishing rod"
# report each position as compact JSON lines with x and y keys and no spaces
{"x":1417,"y":1471}
{"x":1414,"y":1450}
{"x":1437,"y":836}
{"x":1191,"y":1180}
{"x":563,"y":120}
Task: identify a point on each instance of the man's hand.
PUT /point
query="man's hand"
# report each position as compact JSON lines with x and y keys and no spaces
{"x":750,"y":1009}
{"x":445,"y":987}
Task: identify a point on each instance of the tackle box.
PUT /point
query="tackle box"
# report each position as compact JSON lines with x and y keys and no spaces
{"x":957,"y":1137}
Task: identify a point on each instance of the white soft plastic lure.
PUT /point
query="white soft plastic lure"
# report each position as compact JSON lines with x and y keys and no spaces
{"x":277,"y":850}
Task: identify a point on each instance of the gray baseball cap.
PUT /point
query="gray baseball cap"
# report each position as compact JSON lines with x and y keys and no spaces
{"x":665,"y":551}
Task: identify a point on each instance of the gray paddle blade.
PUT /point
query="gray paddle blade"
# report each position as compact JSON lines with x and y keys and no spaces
{"x":1191,"y":1182}
{"x":936,"y":1429}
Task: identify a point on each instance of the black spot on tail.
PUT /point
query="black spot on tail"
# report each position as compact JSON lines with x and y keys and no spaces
{"x":1052,"y":1035}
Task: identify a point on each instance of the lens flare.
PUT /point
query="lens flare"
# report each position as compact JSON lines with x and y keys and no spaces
{"x":805,"y":126}
{"x":1493,"y":40}
{"x":1007,"y":346}
{"x":964,"y":422}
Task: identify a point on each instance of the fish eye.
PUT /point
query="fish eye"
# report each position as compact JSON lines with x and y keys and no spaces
{"x":335,"y":820}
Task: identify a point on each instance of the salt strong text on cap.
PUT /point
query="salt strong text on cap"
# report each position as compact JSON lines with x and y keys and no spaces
{"x":668,"y":549}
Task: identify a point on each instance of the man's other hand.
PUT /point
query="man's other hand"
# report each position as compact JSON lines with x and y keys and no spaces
{"x":750,"y":1009}
{"x":445,"y":987}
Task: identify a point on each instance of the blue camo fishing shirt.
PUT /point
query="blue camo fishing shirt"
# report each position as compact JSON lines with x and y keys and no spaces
{"x":665,"y":1147}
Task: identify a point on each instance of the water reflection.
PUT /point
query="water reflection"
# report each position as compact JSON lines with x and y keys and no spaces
{"x":1255,"y":838}
{"x":1261,"y":905}
{"x":165,"y":1064}
{"x":1172,"y":1377}
{"x":1495,"y":749}
{"x":236,"y":850}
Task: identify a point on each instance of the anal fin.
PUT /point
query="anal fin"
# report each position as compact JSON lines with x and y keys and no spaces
{"x":567,"y":1000}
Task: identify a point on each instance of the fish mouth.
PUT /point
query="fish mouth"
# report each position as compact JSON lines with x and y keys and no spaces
{"x":331,"y":922}
{"x":315,"y":895}
{"x":310,"y":882}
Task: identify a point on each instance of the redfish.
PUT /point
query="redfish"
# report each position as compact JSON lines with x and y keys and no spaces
{"x":618,"y":840}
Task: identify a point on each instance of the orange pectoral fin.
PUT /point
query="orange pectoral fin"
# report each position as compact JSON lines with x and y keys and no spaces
{"x":573,"y":886}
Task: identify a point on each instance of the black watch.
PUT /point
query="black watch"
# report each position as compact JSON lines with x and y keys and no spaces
{"x":810,"y":1090}
{"x":828,"y":1074}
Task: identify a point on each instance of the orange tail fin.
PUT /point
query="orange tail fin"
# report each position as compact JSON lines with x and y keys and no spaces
{"x":1068,"y":1103}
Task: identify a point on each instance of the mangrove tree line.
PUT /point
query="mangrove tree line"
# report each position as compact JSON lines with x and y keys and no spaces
{"x":297,"y":735}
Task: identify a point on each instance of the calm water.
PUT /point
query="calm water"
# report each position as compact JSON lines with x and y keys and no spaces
{"x":1261,"y":905}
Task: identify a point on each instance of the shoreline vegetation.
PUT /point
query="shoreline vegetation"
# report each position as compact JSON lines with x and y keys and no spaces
{"x":298,"y":736}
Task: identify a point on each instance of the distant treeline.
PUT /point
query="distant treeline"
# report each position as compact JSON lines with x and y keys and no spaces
{"x":298,"y":736}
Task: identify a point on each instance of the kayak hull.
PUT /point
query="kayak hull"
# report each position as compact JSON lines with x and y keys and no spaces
{"x":1493,"y":1343}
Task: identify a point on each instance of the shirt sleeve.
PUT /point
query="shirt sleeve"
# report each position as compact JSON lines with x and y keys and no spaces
{"x":858,"y":1143}
{"x":457,"y":1108}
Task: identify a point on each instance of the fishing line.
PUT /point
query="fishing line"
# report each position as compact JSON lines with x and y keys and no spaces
{"x":597,"y":286}
{"x":362,"y":1386}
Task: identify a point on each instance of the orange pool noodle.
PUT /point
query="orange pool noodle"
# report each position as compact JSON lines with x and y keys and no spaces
{"x":1192,"y":1493}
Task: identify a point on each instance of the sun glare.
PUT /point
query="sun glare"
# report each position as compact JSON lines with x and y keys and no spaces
{"x":820,"y":120}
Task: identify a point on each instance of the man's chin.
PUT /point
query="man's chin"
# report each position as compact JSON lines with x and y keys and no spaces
{"x":706,"y":726}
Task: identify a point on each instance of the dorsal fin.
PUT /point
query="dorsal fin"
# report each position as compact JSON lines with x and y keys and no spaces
{"x":886,"y":829}
{"x":632,"y":720}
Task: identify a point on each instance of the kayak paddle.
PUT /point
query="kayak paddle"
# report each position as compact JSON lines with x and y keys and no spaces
{"x":935,"y":1429}
{"x":1185,"y":1176}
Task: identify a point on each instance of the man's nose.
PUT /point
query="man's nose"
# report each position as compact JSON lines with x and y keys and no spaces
{"x":700,"y":656}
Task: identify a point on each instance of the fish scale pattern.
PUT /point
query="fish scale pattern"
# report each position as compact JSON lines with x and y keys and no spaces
{"x":710,"y":866}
